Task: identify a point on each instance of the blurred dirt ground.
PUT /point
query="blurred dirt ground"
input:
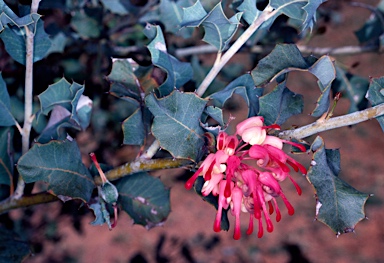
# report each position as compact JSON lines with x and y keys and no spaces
{"x":187,"y":235}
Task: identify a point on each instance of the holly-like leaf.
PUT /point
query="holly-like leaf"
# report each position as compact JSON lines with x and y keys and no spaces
{"x":373,"y":27}
{"x":177,"y":123}
{"x":243,"y":86}
{"x":280,"y":104}
{"x":124,"y":83}
{"x":58,"y":163}
{"x":303,"y":10}
{"x":285,"y":58}
{"x":13,"y":37}
{"x":339,"y":205}
{"x":6,"y":150}
{"x":69,"y":96}
{"x":6,"y":117}
{"x":178,"y":73}
{"x":219,"y":30}
{"x":134,"y":129}
{"x":375,"y":95}
{"x":144,"y":198}
{"x":250,"y":11}
{"x":13,"y":248}
{"x":352,"y":87}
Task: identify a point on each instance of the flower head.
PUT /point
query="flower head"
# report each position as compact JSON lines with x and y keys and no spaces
{"x":245,"y":173}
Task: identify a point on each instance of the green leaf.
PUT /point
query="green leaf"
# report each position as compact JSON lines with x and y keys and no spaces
{"x":134,"y":129}
{"x":6,"y":151}
{"x":303,"y":10}
{"x":280,"y":104}
{"x":6,"y":118}
{"x":178,"y":73}
{"x":213,"y":200}
{"x":339,"y":205}
{"x":373,"y":27}
{"x":177,"y":123}
{"x":144,"y":198}
{"x":68,"y":96}
{"x":375,"y":95}
{"x":171,"y":14}
{"x":109,"y":193}
{"x":13,"y":248}
{"x":14,"y":41}
{"x":219,"y":30}
{"x":85,"y":25}
{"x":58,"y":43}
{"x":286,"y":58}
{"x":124,"y":83}
{"x":352,"y":87}
{"x":243,"y":86}
{"x":250,"y":11}
{"x":58,"y":163}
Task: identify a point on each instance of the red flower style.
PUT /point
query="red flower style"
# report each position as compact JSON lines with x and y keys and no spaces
{"x":245,"y":174}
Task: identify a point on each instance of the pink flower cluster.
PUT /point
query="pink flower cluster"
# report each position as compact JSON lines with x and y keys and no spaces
{"x":245,"y":174}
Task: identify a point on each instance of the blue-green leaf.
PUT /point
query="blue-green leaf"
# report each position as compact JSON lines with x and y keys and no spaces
{"x":339,"y":205}
{"x":14,"y":41}
{"x":373,"y":28}
{"x":375,"y":96}
{"x":286,"y":58}
{"x":303,"y":10}
{"x":6,"y":163}
{"x":86,"y":26}
{"x":13,"y":247}
{"x":144,"y":198}
{"x":6,"y":117}
{"x":280,"y":104}
{"x":58,"y":163}
{"x":134,"y":129}
{"x":250,"y":11}
{"x":116,"y":6}
{"x":219,"y":30}
{"x":243,"y":86}
{"x":178,"y":73}
{"x":177,"y":123}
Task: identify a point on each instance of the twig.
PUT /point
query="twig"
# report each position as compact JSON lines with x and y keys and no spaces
{"x":141,"y":165}
{"x":265,"y":15}
{"x":28,"y":97}
{"x":316,"y":51}
{"x":333,"y":123}
{"x":25,"y":201}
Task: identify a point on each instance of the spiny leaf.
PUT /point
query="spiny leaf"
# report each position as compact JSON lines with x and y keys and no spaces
{"x":339,"y":205}
{"x":375,"y":95}
{"x":373,"y":27}
{"x":6,"y":117}
{"x":178,"y":73}
{"x":116,"y":6}
{"x":303,"y":10}
{"x":6,"y":164}
{"x":176,"y":125}
{"x":219,"y":30}
{"x":280,"y":104}
{"x":144,"y":198}
{"x":58,"y":163}
{"x":70,"y":98}
{"x":124,"y":83}
{"x":286,"y":58}
{"x":352,"y":87}
{"x":13,"y":37}
{"x":243,"y":86}
{"x":250,"y":11}
{"x":13,"y":248}
{"x":134,"y":129}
